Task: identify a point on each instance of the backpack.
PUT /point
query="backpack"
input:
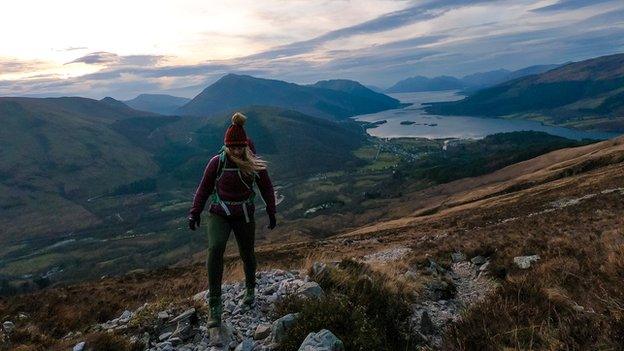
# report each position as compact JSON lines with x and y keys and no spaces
{"x":215,"y":195}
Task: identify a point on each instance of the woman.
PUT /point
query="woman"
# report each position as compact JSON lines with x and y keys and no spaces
{"x":228,"y":180}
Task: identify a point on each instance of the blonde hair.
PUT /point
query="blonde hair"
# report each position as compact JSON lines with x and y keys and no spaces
{"x":249,"y":163}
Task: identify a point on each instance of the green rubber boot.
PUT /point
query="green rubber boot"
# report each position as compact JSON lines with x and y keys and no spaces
{"x":249,"y":296}
{"x":216,"y":308}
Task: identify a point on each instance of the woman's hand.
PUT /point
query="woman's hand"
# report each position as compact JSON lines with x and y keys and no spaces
{"x":193,"y":222}
{"x":272,"y":222}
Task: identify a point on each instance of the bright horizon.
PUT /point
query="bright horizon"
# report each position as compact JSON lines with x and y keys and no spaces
{"x":123,"y":49}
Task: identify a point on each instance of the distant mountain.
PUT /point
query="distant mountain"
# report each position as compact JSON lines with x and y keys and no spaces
{"x":471,"y":82}
{"x":234,"y":91}
{"x":486,"y":79}
{"x":586,"y":94}
{"x":157,"y":103}
{"x":420,"y":83}
{"x":483,"y":79}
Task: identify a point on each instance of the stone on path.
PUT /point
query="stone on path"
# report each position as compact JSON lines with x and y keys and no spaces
{"x":324,"y":340}
{"x":310,"y":290}
{"x":281,"y":325}
{"x":262,"y":331}
{"x":246,"y":345}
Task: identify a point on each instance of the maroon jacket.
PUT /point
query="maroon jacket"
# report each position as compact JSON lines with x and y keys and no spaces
{"x":231,"y":188}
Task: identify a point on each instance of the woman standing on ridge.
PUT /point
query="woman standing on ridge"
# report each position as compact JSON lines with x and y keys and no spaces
{"x":228,"y":180}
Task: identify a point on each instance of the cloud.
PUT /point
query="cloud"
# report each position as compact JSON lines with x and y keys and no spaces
{"x":385,"y":22}
{"x":109,"y":58}
{"x":74,"y":48}
{"x":100,"y":57}
{"x":564,"y":5}
{"x":11,"y":65}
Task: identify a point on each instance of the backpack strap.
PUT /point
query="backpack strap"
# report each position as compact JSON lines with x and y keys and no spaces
{"x":215,"y":194}
{"x":222,"y":161}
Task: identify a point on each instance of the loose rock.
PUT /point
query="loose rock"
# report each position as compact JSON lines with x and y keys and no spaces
{"x":324,"y":340}
{"x":79,"y":346}
{"x":524,"y":262}
{"x":310,"y":290}
{"x":8,"y":326}
{"x":262,"y":331}
{"x":280,"y":326}
{"x":457,"y":257}
{"x":478,"y":260}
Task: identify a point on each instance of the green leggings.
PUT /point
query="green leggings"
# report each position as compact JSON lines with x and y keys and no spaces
{"x":219,"y":228}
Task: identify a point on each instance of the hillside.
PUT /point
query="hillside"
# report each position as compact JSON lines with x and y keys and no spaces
{"x":294,"y":143}
{"x":53,"y":154}
{"x":234,"y":91}
{"x":357,"y":89}
{"x":482,"y":80}
{"x":158,"y":103}
{"x":564,"y":206}
{"x":585,"y":94}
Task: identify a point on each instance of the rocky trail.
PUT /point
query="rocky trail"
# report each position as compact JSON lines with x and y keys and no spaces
{"x":448,"y":292}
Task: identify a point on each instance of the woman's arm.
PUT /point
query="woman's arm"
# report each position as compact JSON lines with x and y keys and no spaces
{"x":266,"y":190}
{"x":205,"y":188}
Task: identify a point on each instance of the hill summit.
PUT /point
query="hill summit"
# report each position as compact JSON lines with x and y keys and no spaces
{"x":329,"y":99}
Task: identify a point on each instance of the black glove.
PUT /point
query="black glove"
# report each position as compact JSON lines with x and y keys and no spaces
{"x":271,"y":221}
{"x":193,"y":221}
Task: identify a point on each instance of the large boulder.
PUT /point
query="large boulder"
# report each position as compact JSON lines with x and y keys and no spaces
{"x":281,"y":325}
{"x":324,"y":340}
{"x":310,"y":290}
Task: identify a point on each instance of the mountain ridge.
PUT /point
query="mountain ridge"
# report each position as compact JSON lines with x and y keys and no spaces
{"x":468,"y":83}
{"x":234,"y":91}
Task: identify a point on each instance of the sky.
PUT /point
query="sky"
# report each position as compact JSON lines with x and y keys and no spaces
{"x":125,"y":48}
